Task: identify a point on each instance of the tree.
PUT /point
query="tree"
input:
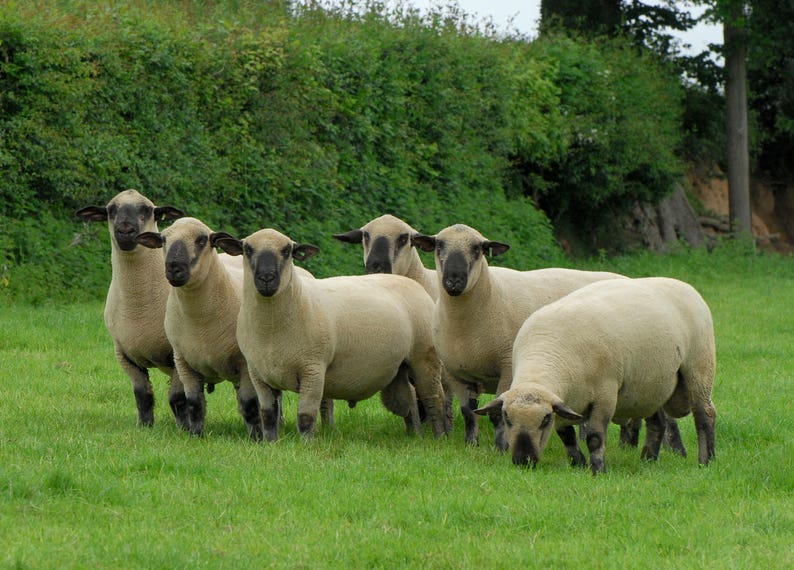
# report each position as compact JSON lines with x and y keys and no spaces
{"x":738,"y":155}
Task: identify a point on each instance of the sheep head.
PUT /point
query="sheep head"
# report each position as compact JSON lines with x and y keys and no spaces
{"x":128,"y":214}
{"x":268,"y":258}
{"x":460,"y":253}
{"x":528,"y":416}
{"x":386,"y":242}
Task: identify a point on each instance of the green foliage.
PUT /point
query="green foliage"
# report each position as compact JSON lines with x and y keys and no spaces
{"x":622,"y":119}
{"x":313,"y":122}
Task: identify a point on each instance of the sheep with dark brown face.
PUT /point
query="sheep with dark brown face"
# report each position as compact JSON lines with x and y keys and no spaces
{"x":615,"y":349}
{"x":136,"y":299}
{"x":481,"y":308}
{"x":201,"y":319}
{"x":343,"y":338}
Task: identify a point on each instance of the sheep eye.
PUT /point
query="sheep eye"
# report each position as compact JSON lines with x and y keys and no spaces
{"x":402,"y":240}
{"x":146,"y":211}
{"x":476,"y":250}
{"x":112,"y":211}
{"x":440,"y":246}
{"x":366,"y":238}
{"x":508,"y":421}
{"x":248,"y":250}
{"x":286,"y":251}
{"x":545,"y":422}
{"x":201,"y":241}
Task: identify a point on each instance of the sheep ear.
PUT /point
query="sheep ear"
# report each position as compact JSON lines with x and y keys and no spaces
{"x":423,"y":242}
{"x":216,"y":236}
{"x":494,"y":248}
{"x":152,"y":240}
{"x":303,"y":251}
{"x":492,"y":407}
{"x":93,"y":214}
{"x":227,"y":243}
{"x":165,"y":213}
{"x":353,"y":236}
{"x":565,"y":412}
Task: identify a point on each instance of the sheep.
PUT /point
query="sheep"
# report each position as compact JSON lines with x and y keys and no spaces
{"x":342,"y":338}
{"x":612,"y":349}
{"x":386,"y":241}
{"x":201,"y":319}
{"x":136,"y":299}
{"x":481,"y":308}
{"x":387,"y":249}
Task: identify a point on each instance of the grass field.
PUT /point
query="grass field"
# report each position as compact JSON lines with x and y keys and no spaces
{"x":82,"y":486}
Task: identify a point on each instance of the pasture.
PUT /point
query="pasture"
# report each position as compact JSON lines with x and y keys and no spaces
{"x":82,"y":486}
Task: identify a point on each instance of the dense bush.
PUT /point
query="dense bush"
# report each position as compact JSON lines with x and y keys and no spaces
{"x":249,"y":116}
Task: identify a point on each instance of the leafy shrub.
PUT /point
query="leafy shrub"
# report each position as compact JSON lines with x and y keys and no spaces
{"x":248,"y":116}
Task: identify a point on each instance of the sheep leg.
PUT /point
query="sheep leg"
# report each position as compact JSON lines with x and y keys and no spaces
{"x":568,"y":436}
{"x":505,"y":379}
{"x":248,"y":406}
{"x":327,"y":412}
{"x":399,"y":397}
{"x":596,"y":433}
{"x":427,"y":378}
{"x":311,"y":385}
{"x":654,"y":433}
{"x":193,"y":383}
{"x":449,"y":396}
{"x":141,"y":387}
{"x":177,"y":400}
{"x":705,"y":418}
{"x":672,"y":436}
{"x":467,"y":395}
{"x":630,"y":432}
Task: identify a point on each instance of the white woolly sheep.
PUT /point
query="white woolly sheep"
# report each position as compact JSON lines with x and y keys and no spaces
{"x":388,"y":249}
{"x":201,"y":319}
{"x":343,"y":338}
{"x":136,"y":299}
{"x":481,"y":308}
{"x":613,"y":349}
{"x":387,"y":246}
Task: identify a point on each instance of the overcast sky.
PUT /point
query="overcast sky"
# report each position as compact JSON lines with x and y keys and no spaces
{"x":523,"y":15}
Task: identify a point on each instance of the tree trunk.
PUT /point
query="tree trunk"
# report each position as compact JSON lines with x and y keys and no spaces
{"x":736,"y":118}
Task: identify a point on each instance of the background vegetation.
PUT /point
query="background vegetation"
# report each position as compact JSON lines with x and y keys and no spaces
{"x":82,"y":486}
{"x":248,"y":115}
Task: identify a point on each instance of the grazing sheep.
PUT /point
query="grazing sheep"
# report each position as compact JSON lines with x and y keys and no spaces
{"x":136,"y":299}
{"x":386,"y":241}
{"x":201,"y":319}
{"x":342,"y":338}
{"x":481,"y":308}
{"x":614,"y":349}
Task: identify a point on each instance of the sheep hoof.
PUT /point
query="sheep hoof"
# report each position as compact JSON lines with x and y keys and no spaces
{"x":306,"y":424}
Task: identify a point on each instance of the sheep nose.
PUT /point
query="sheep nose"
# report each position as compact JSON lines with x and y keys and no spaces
{"x":378,"y":267}
{"x":177,"y":273}
{"x":454,"y":284}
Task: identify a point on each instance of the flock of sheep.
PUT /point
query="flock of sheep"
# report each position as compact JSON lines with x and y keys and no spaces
{"x":558,"y":347}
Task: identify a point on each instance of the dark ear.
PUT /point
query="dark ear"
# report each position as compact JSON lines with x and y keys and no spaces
{"x":492,"y":407}
{"x":93,"y":214}
{"x":353,"y":236}
{"x":494,"y":248}
{"x":303,"y":251}
{"x":163,"y":213}
{"x":423,"y":242}
{"x":152,"y":240}
{"x":227,"y":243}
{"x":565,"y":412}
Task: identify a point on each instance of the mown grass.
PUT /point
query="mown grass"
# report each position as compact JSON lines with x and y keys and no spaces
{"x":82,"y":485}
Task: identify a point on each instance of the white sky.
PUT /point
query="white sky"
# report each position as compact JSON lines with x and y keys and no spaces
{"x":523,"y":15}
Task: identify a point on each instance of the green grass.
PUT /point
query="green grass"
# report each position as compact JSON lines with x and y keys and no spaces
{"x":82,"y":486}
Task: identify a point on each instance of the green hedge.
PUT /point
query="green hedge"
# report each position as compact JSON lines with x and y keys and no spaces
{"x":249,"y":117}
